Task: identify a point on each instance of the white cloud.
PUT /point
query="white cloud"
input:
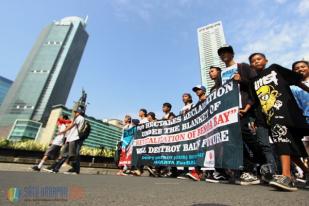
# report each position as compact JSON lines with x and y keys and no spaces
{"x":303,"y":7}
{"x":282,"y":43}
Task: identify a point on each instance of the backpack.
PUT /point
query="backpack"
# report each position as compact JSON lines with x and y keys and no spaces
{"x":84,"y":131}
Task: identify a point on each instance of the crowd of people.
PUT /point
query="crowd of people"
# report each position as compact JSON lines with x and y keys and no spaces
{"x":273,"y":118}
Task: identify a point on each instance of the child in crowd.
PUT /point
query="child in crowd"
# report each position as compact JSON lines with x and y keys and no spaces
{"x":55,"y":145}
{"x":288,"y":125}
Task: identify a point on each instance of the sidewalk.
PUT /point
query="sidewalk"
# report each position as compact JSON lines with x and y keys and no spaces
{"x":32,"y":161}
{"x":84,"y":170}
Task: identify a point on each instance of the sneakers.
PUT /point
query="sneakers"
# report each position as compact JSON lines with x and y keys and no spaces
{"x":121,"y":173}
{"x":70,"y":172}
{"x":248,"y":179}
{"x":136,"y":173}
{"x":194,"y":175}
{"x":183,"y":176}
{"x":216,"y":177}
{"x":283,"y":183}
{"x":152,"y":172}
{"x":50,"y":170}
{"x":35,"y":168}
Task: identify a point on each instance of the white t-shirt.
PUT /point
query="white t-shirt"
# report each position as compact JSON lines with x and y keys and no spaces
{"x":58,"y":140}
{"x":73,"y":133}
{"x":144,"y":120}
{"x":186,"y":108}
{"x":228,"y":73}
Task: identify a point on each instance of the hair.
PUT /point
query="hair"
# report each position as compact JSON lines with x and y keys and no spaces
{"x":144,"y":111}
{"x":218,"y":81}
{"x":256,"y":53}
{"x":166,"y":104}
{"x":66,"y":117}
{"x":297,"y":62}
{"x":129,"y":118}
{"x":152,"y":114}
{"x":190,"y":97}
{"x":215,"y":67}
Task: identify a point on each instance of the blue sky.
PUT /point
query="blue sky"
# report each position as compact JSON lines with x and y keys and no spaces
{"x":143,"y":53}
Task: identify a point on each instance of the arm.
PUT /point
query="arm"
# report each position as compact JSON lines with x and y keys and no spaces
{"x":68,"y":128}
{"x":245,"y":110}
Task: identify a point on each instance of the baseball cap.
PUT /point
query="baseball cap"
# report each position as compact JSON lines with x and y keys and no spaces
{"x":225,"y":48}
{"x":197,"y":87}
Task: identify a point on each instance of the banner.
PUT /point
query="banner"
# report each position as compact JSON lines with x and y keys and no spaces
{"x":126,"y":147}
{"x":207,"y":136}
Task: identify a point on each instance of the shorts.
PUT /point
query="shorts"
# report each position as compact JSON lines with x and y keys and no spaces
{"x":287,"y":140}
{"x":53,"y":151}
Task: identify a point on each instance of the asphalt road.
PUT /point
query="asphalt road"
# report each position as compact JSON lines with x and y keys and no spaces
{"x":110,"y":190}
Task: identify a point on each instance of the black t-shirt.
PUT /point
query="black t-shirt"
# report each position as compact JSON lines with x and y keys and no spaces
{"x":272,"y":89}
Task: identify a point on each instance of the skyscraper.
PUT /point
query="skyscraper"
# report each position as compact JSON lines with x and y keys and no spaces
{"x":47,"y":74}
{"x":5,"y":85}
{"x":210,"y":39}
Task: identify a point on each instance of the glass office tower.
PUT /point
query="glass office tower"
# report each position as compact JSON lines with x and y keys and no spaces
{"x":46,"y":76}
{"x":5,"y":85}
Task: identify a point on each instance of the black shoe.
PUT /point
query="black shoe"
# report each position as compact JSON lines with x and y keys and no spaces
{"x":36,"y":168}
{"x":216,"y":177}
{"x":284,"y":183}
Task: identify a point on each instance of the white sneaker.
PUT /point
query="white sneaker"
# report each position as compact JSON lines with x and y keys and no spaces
{"x":248,"y":179}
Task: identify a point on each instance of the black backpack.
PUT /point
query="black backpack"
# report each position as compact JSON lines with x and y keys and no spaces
{"x":84,"y":131}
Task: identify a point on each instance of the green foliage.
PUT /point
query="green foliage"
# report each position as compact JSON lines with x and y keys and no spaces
{"x":31,"y":145}
{"x":28,"y":145}
{"x":97,"y":152}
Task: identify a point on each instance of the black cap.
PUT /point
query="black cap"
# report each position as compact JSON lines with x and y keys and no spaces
{"x":225,"y":48}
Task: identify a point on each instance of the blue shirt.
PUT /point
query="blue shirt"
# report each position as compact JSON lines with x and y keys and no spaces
{"x":302,"y":99}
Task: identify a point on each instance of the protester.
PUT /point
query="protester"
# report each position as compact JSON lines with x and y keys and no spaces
{"x":288,"y":125}
{"x":241,"y":73}
{"x":217,"y":175}
{"x":124,"y":171}
{"x":143,"y":116}
{"x":268,"y":170}
{"x":196,"y":174}
{"x":166,"y":108}
{"x":215,"y":75}
{"x":151,"y":116}
{"x":55,"y":146}
{"x":188,"y":105}
{"x":302,"y":97}
{"x":187,"y":100}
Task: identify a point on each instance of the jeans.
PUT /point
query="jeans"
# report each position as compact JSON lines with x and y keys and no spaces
{"x":76,"y":160}
{"x":72,"y":153}
{"x":262,"y":136}
{"x":251,"y":145}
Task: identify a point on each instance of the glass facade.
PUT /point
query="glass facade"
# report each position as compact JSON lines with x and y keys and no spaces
{"x":5,"y":85}
{"x":47,"y":74}
{"x":210,"y":39}
{"x":25,"y":129}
